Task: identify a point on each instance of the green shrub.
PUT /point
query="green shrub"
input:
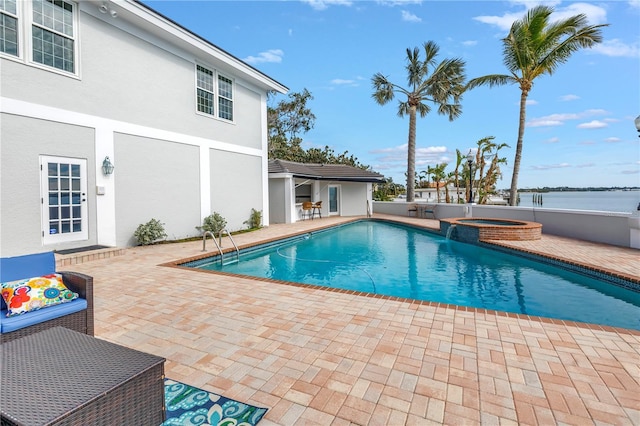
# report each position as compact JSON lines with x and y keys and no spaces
{"x":150,"y":232}
{"x":213,"y":223}
{"x":255,"y":219}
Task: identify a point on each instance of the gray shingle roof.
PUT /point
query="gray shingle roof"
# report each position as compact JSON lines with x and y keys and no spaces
{"x":341,"y":172}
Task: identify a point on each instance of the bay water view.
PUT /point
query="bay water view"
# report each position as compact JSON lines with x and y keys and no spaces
{"x":609,"y":201}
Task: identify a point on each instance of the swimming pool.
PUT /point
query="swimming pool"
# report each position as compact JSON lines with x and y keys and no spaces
{"x":395,"y":260}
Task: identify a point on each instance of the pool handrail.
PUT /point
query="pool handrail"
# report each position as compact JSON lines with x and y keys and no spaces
{"x":219,"y":246}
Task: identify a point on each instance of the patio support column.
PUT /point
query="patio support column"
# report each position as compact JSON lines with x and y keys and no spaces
{"x":290,"y":200}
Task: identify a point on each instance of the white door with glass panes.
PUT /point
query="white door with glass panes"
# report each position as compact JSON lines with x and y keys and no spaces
{"x":334,"y":200}
{"x":64,"y":199}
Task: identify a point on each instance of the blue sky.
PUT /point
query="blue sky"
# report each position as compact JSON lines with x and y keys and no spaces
{"x":580,"y":130}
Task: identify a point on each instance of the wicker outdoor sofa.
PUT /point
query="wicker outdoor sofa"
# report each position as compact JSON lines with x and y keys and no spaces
{"x":76,"y":315}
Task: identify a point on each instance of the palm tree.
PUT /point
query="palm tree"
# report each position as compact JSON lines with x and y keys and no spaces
{"x":459,"y":161}
{"x":487,"y":149}
{"x":438,"y":176}
{"x":536,"y":46}
{"x":449,"y":178}
{"x":441,"y":84}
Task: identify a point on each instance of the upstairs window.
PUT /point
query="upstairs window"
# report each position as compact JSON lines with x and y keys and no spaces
{"x":53,"y":34}
{"x":205,"y":90}
{"x":225,"y":98}
{"x":206,"y":93}
{"x":9,"y":27}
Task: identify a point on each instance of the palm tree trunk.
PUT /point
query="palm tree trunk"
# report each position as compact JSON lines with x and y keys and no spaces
{"x":411,"y":155}
{"x":513,"y":191}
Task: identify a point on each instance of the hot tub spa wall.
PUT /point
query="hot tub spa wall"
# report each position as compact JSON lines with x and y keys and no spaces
{"x":471,"y":233}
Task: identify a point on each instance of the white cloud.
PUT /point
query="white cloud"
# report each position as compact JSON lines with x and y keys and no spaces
{"x":424,"y":156}
{"x":551,"y":120}
{"x":323,"y":4}
{"x":554,"y":139}
{"x":531,"y":102}
{"x":585,"y":165}
{"x":410,"y":17}
{"x":594,"y":124}
{"x":470,"y":43}
{"x":559,"y":119}
{"x":502,"y":22}
{"x":612,"y":139}
{"x":350,"y":82}
{"x":567,"y":98}
{"x":595,"y":14}
{"x":616,"y":48}
{"x":339,"y":81}
{"x":273,"y":55}
{"x":551,"y":166}
{"x":393,"y":3}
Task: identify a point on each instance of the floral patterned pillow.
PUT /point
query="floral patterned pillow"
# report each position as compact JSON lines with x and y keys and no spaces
{"x":31,"y":294}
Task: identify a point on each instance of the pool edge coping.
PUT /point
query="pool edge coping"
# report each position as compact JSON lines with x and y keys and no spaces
{"x":503,"y":247}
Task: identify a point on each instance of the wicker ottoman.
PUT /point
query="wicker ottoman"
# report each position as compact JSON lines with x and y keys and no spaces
{"x":62,"y":377}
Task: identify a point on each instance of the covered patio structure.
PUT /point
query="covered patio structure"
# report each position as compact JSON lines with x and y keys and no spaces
{"x":342,"y":190}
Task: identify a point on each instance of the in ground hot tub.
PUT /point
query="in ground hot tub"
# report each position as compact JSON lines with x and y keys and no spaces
{"x":481,"y":228}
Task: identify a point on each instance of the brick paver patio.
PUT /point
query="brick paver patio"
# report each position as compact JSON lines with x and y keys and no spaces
{"x":317,"y":357}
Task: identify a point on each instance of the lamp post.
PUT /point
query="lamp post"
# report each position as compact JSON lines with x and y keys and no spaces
{"x":637,"y":121}
{"x":470,"y":161}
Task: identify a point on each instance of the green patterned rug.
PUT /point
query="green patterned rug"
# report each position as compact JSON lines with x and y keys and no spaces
{"x":186,"y":406}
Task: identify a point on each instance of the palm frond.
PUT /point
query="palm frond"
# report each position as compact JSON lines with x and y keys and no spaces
{"x":577,"y":39}
{"x":452,"y":110}
{"x":423,"y":109}
{"x":384,"y":89}
{"x":415,"y":70}
{"x":431,"y":50}
{"x":491,"y":80}
{"x":403,"y":108}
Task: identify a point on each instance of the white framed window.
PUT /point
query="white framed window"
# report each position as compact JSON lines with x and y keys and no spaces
{"x":205,"y":90}
{"x":225,"y":98}
{"x":53,"y":34}
{"x":9,"y":27}
{"x":64,"y":199}
{"x":207,"y":96}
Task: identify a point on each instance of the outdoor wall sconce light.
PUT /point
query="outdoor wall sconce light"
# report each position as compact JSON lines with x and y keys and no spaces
{"x":107,"y":166}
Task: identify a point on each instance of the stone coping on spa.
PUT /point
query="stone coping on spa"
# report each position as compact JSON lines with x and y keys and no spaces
{"x":474,"y":229}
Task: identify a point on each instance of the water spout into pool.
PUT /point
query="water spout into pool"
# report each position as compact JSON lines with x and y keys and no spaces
{"x":450,"y":231}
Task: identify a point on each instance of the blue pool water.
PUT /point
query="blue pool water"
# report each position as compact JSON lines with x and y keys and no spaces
{"x":394,"y":260}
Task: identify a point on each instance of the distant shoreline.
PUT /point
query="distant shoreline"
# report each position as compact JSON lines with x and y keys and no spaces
{"x":569,"y":189}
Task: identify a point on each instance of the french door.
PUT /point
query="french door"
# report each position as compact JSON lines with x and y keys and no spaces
{"x":64,"y":199}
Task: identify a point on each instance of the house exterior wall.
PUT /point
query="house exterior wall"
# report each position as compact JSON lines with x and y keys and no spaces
{"x":353,"y":198}
{"x":236,"y":182}
{"x":156,"y":179}
{"x":20,"y":218}
{"x":277,"y":203}
{"x":133,"y":99}
{"x":126,"y":78}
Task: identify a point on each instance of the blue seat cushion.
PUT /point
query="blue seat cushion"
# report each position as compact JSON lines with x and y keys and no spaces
{"x":7,"y":325}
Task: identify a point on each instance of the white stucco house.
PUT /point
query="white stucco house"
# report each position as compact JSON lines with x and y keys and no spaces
{"x":343,"y":190}
{"x":90,"y":83}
